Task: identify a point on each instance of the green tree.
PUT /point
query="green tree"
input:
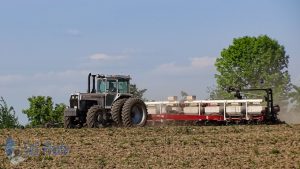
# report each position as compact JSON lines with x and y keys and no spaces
{"x":8,"y":118}
{"x":251,"y":60}
{"x":42,"y":111}
{"x":295,"y":98}
{"x":136,"y":92}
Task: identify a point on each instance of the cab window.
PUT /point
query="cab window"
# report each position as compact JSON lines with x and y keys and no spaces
{"x":111,"y":86}
{"x":123,"y":86}
{"x":101,"y":88}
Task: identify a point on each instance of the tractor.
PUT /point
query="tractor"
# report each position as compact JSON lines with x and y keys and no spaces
{"x":107,"y":103}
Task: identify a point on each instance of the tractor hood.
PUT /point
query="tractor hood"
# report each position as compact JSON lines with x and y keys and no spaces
{"x":90,"y":96}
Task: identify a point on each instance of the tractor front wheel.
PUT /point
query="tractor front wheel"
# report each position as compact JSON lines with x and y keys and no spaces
{"x":69,"y":122}
{"x":94,"y":118}
{"x":134,"y":113}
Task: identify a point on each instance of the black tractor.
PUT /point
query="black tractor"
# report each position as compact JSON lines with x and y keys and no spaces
{"x":107,"y":103}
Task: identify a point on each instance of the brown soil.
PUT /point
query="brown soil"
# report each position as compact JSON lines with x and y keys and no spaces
{"x":257,"y":146}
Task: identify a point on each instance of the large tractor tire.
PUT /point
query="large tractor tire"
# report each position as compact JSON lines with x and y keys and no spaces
{"x":69,"y":122}
{"x":116,"y":111}
{"x":94,"y":118}
{"x":134,"y":113}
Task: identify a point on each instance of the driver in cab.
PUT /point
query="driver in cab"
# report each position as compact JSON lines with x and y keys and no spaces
{"x":112,"y":88}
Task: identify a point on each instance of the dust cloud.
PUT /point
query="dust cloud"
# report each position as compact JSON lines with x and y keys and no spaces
{"x":290,"y":117}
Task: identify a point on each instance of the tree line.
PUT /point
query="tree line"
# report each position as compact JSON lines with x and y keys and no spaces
{"x":249,"y":62}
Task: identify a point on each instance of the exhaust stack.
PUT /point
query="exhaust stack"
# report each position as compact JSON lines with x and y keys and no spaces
{"x":94,"y":88}
{"x":89,"y":83}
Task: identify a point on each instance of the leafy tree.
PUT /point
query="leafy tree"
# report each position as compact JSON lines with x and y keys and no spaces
{"x":139,"y":93}
{"x":295,"y":97}
{"x":7,"y":116}
{"x":41,"y":111}
{"x":248,"y":61}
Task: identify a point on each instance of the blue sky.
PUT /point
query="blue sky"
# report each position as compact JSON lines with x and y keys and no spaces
{"x":49,"y":47}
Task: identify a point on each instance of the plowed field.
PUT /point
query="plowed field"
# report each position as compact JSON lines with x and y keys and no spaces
{"x":248,"y":146}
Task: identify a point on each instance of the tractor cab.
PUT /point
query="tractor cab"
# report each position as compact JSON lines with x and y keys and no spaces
{"x":113,"y":87}
{"x":113,"y":84}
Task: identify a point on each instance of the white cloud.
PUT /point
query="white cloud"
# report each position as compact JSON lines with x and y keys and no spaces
{"x":193,"y":76}
{"x":39,"y":83}
{"x":195,"y":64}
{"x":202,"y":62}
{"x":8,"y":79}
{"x":99,"y":56}
{"x":73,"y":32}
{"x":171,"y":68}
{"x":105,"y":57}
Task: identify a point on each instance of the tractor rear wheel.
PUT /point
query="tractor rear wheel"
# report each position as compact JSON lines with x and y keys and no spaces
{"x":116,"y":111}
{"x":134,"y":113}
{"x":69,"y":122}
{"x":94,"y":117}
